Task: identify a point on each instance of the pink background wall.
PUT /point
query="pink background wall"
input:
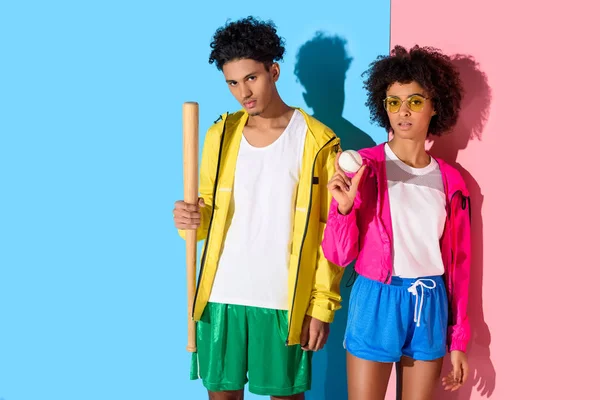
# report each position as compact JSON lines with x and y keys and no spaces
{"x":525,"y":143}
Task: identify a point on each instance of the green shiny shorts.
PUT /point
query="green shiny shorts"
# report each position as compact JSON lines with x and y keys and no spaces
{"x":240,"y":344}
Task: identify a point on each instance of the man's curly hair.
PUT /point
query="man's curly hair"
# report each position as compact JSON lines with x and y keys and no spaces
{"x":429,"y":68}
{"x":246,"y":38}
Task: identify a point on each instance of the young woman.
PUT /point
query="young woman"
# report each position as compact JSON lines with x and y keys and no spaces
{"x":405,"y":217}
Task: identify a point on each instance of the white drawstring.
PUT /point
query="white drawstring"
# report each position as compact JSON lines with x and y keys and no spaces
{"x":413,"y":289}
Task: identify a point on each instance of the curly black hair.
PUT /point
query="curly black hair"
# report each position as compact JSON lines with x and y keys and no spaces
{"x":427,"y":66}
{"x":246,"y":38}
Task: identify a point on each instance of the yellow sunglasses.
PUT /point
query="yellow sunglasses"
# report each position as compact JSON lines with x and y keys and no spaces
{"x":415,"y":103}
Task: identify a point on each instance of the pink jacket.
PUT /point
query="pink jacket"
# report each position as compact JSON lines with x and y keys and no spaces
{"x":366,"y":233}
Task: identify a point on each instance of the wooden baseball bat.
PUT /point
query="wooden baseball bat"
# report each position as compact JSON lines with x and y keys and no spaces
{"x":190,"y":195}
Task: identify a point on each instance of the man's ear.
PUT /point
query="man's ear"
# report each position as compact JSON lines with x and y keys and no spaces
{"x":275,"y":71}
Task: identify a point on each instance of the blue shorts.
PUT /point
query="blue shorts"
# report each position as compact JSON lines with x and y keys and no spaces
{"x":408,"y":317}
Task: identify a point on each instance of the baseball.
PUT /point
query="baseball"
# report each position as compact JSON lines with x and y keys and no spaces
{"x":350,"y":161}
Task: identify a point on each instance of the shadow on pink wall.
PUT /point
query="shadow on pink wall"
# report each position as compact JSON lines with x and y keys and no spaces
{"x":474,"y":114}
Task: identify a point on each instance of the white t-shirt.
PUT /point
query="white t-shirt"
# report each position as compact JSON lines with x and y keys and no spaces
{"x":418,"y":209}
{"x":253,"y":268}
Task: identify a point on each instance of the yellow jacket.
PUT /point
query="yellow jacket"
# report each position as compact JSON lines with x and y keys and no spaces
{"x":313,"y":283}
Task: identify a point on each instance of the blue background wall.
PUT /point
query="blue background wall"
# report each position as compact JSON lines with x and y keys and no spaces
{"x":92,"y":273}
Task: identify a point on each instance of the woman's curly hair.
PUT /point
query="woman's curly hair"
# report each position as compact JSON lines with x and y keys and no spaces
{"x":246,"y":38}
{"x":429,"y":68}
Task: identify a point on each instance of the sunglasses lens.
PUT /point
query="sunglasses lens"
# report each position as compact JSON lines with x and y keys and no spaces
{"x":416,"y":103}
{"x":392,"y":105}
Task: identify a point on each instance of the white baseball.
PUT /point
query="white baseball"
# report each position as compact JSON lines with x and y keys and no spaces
{"x":350,"y":161}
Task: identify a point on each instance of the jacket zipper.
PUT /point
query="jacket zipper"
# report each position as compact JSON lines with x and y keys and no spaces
{"x":212,"y":214}
{"x":465,"y":200}
{"x":287,"y":340}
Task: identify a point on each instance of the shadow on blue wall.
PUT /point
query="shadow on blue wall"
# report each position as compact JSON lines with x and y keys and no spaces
{"x":321,"y":66}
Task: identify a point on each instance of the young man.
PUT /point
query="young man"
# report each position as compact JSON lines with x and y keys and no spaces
{"x":266,"y":294}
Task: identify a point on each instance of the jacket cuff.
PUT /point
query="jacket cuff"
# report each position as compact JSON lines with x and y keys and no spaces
{"x":334,"y":214}
{"x":458,"y":344}
{"x":320,"y":313}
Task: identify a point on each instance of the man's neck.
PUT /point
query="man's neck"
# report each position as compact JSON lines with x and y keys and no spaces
{"x":278,"y":113}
